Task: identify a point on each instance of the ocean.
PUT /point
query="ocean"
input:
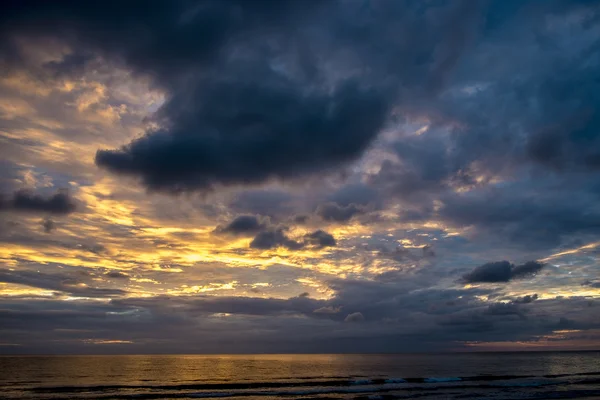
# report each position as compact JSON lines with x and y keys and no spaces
{"x":525,"y":375}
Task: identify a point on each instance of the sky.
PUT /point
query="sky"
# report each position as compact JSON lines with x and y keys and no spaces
{"x":248,"y":176}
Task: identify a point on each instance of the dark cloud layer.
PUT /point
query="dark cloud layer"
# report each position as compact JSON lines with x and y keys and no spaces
{"x":249,"y":96}
{"x":28,"y":201}
{"x":243,"y":132}
{"x":387,"y":312}
{"x":502,"y":271}
{"x":57,"y":282}
{"x":153,"y":36}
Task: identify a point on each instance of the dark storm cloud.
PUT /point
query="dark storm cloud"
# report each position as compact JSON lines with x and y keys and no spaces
{"x":244,"y":225}
{"x":249,"y":96}
{"x":320,"y":238}
{"x":27,"y":201}
{"x":156,"y":37}
{"x":334,"y":212}
{"x":70,"y":284}
{"x":274,"y":238}
{"x":249,"y":123}
{"x":502,"y":271}
{"x":247,"y":132}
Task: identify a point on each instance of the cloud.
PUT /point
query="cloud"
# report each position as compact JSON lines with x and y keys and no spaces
{"x":356,"y":193}
{"x":571,"y":139}
{"x":397,"y":254}
{"x":327,"y":310}
{"x":528,"y":213}
{"x":116,"y":275}
{"x":23,"y":200}
{"x":529,"y":268}
{"x":503,"y":309}
{"x":502,"y":271}
{"x":274,"y":238}
{"x":480,"y":137}
{"x":171,"y":323}
{"x":594,"y":284}
{"x":427,"y":251}
{"x":57,"y":282}
{"x":320,"y":238}
{"x":263,"y":202}
{"x":244,"y":225}
{"x":252,"y":122}
{"x":334,"y":212}
{"x":191,"y":34}
{"x":300,"y":305}
{"x":48,"y":225}
{"x":300,"y":219}
{"x":248,"y":132}
{"x":275,"y":110}
{"x":354,"y":317}
{"x":269,"y":236}
{"x":530,"y":298}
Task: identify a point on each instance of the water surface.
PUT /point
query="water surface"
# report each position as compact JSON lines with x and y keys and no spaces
{"x":424,"y":376}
